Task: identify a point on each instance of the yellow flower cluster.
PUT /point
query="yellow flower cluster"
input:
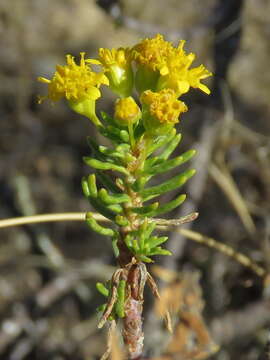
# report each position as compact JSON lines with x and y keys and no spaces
{"x":160,"y":72}
{"x":163,"y":105}
{"x":75,"y":82}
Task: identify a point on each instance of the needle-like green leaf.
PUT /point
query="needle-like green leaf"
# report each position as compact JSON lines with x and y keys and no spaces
{"x":120,"y":303}
{"x":97,"y":164}
{"x":115,"y":208}
{"x":111,"y":153}
{"x":92,"y":223}
{"x":101,"y":208}
{"x":159,"y":251}
{"x":161,"y":141}
{"x":95,"y":149}
{"x":169,"y":164}
{"x":115,"y":246}
{"x":115,"y":134}
{"x":102,"y":289}
{"x":162,"y":209}
{"x":171,"y":147}
{"x":89,"y":186}
{"x":169,"y":185}
{"x":107,"y":119}
{"x":112,"y":199}
{"x":155,"y":241}
{"x":107,"y":182}
{"x":145,"y":210}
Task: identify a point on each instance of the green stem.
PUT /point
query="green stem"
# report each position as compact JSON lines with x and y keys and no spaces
{"x":131,"y":135}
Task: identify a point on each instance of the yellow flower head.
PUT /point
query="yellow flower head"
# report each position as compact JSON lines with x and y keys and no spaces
{"x":75,"y":82}
{"x":126,"y":111}
{"x":179,"y":77}
{"x":153,"y":53}
{"x":164,"y":105}
{"x":117,"y":65}
{"x":171,"y":63}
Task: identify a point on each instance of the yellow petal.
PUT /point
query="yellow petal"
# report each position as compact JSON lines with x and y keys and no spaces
{"x":43,"y":80}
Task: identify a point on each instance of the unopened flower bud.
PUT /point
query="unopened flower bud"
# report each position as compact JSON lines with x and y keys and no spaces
{"x":127,"y":111}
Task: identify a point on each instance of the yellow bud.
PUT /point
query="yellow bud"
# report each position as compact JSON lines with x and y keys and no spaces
{"x":126,"y":111}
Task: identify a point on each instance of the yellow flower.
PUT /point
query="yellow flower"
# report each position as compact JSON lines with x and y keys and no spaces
{"x":74,"y":82}
{"x":117,"y":65}
{"x":79,"y":84}
{"x":179,"y":77}
{"x":126,"y":111}
{"x":164,"y":105}
{"x":172,"y":64}
{"x":153,"y":53}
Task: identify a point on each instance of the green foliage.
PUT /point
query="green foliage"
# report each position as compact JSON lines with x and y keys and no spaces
{"x":112,"y":199}
{"x":123,"y":171}
{"x":164,"y":166}
{"x":172,"y":184}
{"x":115,"y":134}
{"x":121,"y":295}
{"x":119,"y":306}
{"x":100,"y":165}
{"x":171,"y":205}
{"x":102,"y":289}
{"x":92,"y":223}
{"x":146,"y":210}
{"x":161,"y":141}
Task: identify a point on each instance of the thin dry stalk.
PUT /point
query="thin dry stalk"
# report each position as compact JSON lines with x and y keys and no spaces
{"x":190,"y":234}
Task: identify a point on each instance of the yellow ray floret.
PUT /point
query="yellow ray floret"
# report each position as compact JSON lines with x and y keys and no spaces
{"x":75,"y":82}
{"x":197,"y":74}
{"x":164,"y":105}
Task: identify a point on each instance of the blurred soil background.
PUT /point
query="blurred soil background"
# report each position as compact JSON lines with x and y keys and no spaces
{"x":48,"y":271}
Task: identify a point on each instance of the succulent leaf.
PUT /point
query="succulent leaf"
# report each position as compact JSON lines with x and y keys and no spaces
{"x":170,"y":164}
{"x":171,"y":205}
{"x":102,"y":289}
{"x":112,"y":198}
{"x":97,"y":164}
{"x":169,"y":185}
{"x":98,"y":228}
